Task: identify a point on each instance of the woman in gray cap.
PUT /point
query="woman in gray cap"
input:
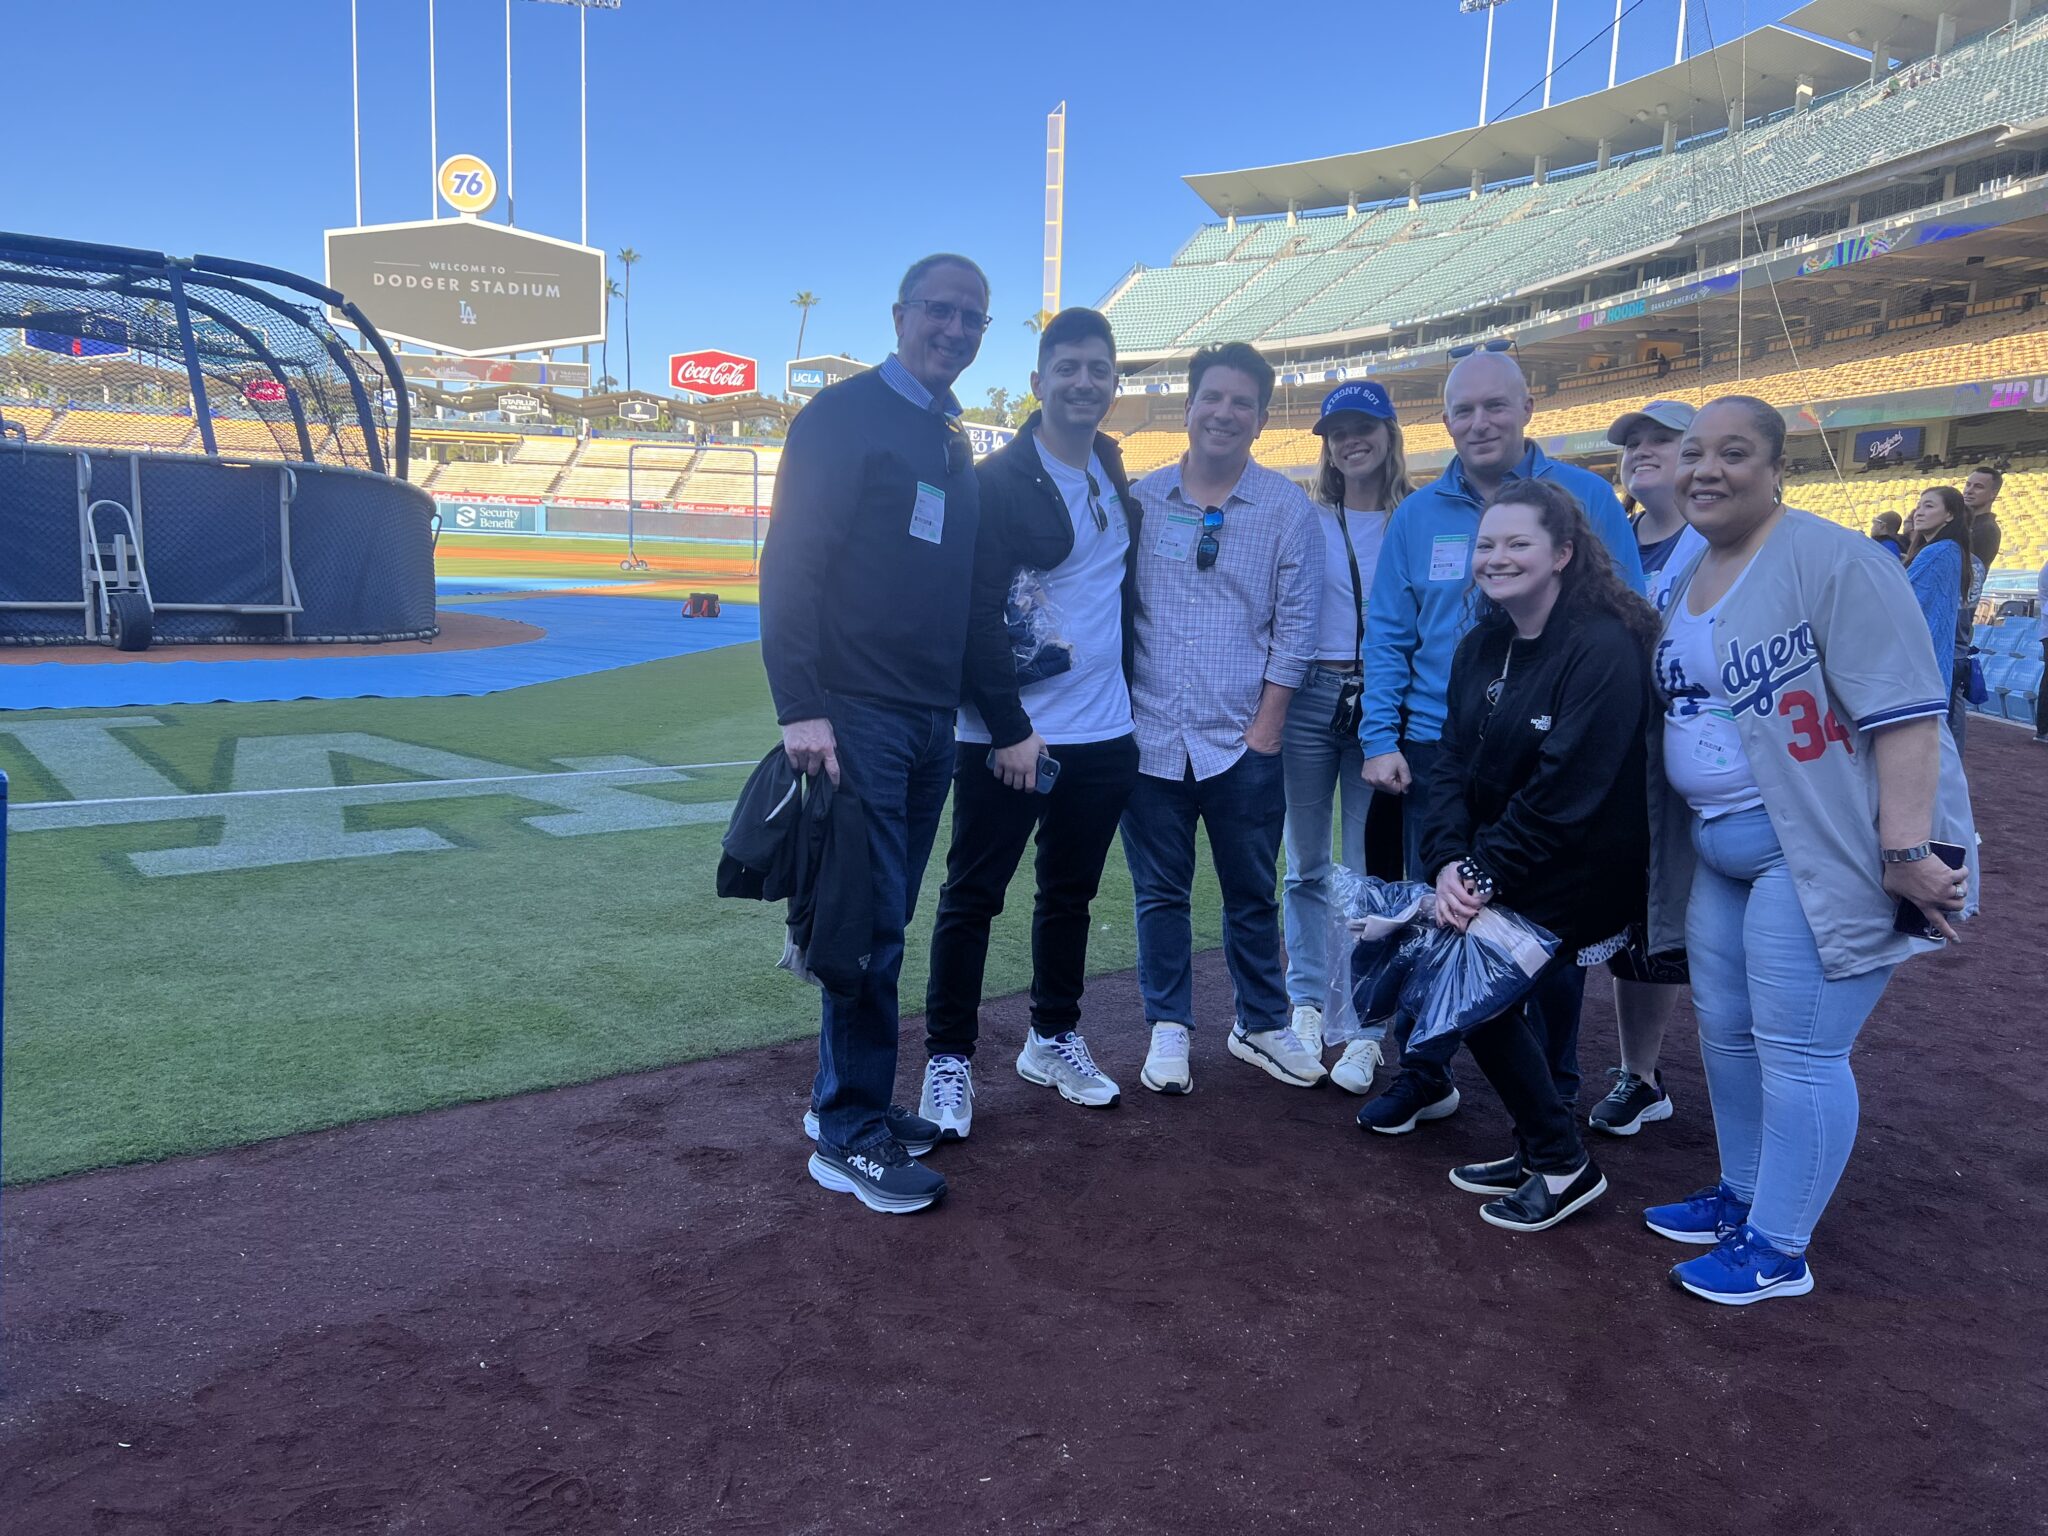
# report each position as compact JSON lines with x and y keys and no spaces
{"x":1361,"y":479}
{"x":1646,"y":985}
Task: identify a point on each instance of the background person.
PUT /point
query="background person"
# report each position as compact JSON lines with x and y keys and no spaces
{"x":1884,"y":529}
{"x":1807,"y":769}
{"x":1938,"y":569}
{"x":1416,"y":613}
{"x":1054,"y":500}
{"x":1362,"y":477}
{"x":1981,"y":545}
{"x":1646,"y":985}
{"x":1229,"y":577}
{"x":1536,"y":800}
{"x":876,"y":496}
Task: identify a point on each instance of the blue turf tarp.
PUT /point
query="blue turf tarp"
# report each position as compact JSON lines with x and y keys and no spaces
{"x":584,"y":634}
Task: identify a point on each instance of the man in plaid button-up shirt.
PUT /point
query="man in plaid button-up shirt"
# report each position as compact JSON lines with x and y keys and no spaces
{"x":1229,"y":582}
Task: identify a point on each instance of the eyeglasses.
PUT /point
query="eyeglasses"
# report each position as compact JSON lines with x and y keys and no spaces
{"x":1095,"y":503}
{"x":959,"y":451}
{"x":1206,"y":550}
{"x":1497,"y":344}
{"x":941,"y":314}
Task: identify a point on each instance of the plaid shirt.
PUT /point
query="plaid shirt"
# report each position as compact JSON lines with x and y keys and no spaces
{"x":1209,"y":641}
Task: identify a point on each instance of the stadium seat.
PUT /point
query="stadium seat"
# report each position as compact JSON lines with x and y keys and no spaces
{"x":2022,"y":687}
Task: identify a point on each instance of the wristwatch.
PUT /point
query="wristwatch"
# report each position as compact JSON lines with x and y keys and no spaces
{"x":1912,"y":855}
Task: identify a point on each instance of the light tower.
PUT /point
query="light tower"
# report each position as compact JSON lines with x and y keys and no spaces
{"x":1055,"y":206}
{"x":1486,"y":70}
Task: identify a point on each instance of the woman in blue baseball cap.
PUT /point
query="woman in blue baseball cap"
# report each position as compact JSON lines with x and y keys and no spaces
{"x":1361,"y":479}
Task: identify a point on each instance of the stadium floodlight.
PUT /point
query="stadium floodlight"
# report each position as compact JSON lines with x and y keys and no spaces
{"x":583,"y":8}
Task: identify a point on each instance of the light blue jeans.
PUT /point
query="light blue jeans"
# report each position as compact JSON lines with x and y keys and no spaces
{"x":1775,"y":1033}
{"x":1320,"y":768}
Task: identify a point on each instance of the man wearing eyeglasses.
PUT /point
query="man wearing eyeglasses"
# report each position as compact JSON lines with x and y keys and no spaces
{"x":865,"y":577}
{"x":1230,"y":570}
{"x":1045,"y":737}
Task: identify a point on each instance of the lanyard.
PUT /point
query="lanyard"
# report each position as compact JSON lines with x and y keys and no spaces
{"x":1357,"y":588}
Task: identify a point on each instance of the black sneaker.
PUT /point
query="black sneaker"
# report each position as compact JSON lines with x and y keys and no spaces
{"x":1631,"y":1104}
{"x":1533,"y":1207}
{"x":917,"y":1134}
{"x":1407,"y":1101}
{"x":1501,"y":1178}
{"x":885,"y":1178}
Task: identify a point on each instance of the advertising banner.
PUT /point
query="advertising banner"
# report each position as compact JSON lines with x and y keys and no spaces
{"x":490,"y":516}
{"x":711,"y":372}
{"x":806,"y":376}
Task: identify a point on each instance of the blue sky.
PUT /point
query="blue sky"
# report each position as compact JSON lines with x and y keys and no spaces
{"x":749,"y":151}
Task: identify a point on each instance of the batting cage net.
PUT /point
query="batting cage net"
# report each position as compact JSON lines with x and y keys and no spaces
{"x":107,"y":347}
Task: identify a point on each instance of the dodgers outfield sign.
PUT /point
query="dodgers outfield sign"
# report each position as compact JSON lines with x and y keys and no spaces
{"x":286,"y":808}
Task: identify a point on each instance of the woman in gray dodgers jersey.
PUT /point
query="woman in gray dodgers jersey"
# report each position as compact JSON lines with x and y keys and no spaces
{"x":1803,"y":766}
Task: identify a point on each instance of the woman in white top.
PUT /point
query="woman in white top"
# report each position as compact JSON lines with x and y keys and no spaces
{"x":1362,"y":478}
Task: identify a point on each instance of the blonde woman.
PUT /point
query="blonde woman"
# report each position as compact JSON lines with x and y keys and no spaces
{"x":1361,"y":479}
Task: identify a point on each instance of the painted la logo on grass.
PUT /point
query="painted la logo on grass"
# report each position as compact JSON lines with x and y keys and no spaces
{"x":1754,"y":677}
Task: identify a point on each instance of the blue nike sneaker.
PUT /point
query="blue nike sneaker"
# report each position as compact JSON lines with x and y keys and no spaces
{"x":1704,"y":1216}
{"x":1743,"y":1267}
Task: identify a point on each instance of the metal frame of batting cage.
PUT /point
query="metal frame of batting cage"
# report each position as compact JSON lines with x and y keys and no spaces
{"x":128,"y":265}
{"x":633,"y":562}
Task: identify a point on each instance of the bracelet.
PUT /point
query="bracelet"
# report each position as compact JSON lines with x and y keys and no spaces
{"x":1912,"y":855}
{"x":1470,"y":872}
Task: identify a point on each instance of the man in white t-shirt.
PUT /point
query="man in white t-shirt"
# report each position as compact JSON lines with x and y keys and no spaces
{"x":1045,"y":739}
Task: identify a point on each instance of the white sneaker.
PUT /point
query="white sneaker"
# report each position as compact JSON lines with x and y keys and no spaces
{"x":1166,"y":1063}
{"x":1308,"y":1024}
{"x":948,"y":1098}
{"x":1063,"y":1062}
{"x":1277,"y":1052}
{"x":1357,"y":1067}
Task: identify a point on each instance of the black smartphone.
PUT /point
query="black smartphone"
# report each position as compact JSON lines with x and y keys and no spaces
{"x":1909,"y":919}
{"x":1048,"y":770}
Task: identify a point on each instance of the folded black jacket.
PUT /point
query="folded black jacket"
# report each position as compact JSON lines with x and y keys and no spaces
{"x":1546,"y":789}
{"x":805,"y":842}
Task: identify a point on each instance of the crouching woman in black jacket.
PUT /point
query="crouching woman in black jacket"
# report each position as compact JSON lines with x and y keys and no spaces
{"x":1537,"y":800}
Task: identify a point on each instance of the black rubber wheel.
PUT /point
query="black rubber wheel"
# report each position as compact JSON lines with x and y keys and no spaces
{"x":131,"y":620}
{"x":625,"y":565}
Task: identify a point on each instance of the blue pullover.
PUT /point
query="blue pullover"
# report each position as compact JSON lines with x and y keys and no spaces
{"x":1418,"y":610}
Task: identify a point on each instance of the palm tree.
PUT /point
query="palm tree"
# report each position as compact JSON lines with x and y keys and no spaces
{"x":627,"y":257}
{"x":606,"y":384}
{"x":1037,"y":323}
{"x":611,"y":291}
{"x":804,"y":302}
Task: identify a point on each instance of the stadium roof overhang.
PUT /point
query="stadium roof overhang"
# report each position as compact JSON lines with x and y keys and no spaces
{"x":1759,"y":73}
{"x":1904,"y":29}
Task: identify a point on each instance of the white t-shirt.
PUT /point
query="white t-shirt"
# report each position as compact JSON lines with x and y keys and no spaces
{"x":1703,"y":756}
{"x":1089,"y":701}
{"x":1665,"y":561}
{"x":1338,"y":642}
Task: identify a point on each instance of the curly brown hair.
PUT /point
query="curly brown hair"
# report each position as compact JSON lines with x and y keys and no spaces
{"x":1588,"y":583}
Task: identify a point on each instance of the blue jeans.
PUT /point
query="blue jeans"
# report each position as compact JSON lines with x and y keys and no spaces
{"x":1775,"y":1033}
{"x":899,"y":760}
{"x":1320,"y":767}
{"x":1243,"y":808}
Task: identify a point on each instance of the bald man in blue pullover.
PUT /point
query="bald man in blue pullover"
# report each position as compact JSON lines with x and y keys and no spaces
{"x":1417,"y":614}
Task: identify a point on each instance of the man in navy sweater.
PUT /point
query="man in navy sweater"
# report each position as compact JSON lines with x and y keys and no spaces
{"x":864,"y":585}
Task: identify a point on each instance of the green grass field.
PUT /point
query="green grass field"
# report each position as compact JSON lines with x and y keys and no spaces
{"x":159,"y":1004}
{"x":727,"y":569}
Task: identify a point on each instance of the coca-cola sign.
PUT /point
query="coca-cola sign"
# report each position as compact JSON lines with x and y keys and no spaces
{"x":714,"y":373}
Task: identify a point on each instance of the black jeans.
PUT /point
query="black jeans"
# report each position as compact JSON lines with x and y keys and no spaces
{"x":1517,"y":1051}
{"x":2041,"y":698}
{"x":991,"y":824}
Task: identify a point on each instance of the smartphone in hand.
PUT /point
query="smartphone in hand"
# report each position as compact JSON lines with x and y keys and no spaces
{"x":1909,"y":919}
{"x":1046,"y":771}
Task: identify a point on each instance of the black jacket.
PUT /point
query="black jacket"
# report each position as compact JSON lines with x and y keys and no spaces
{"x":1551,"y":800}
{"x":1025,"y":525}
{"x":808,"y":846}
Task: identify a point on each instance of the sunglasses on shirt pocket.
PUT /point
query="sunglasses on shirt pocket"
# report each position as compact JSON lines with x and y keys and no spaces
{"x":1209,"y":547}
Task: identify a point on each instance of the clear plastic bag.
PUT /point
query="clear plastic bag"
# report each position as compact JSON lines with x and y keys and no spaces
{"x":1037,"y":629}
{"x":1390,"y":957}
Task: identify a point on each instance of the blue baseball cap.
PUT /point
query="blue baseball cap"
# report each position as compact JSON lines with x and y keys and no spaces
{"x":1361,"y":395}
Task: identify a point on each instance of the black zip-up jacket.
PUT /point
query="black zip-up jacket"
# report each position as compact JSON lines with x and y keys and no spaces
{"x":1546,"y":790}
{"x":1025,"y":524}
